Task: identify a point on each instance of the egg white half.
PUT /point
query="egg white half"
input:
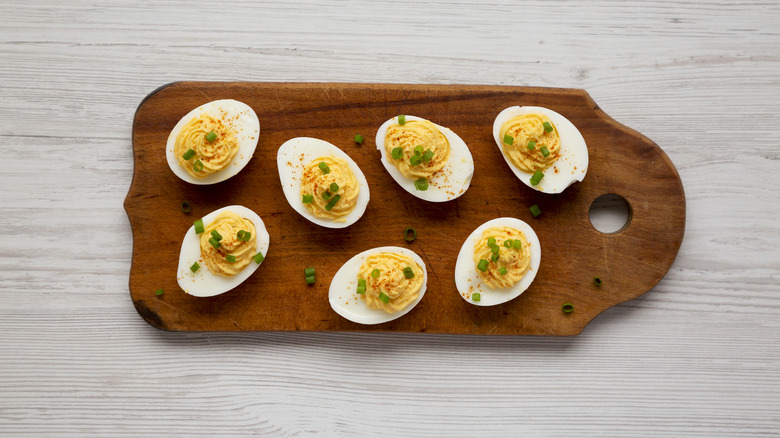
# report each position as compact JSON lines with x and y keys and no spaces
{"x":347,"y":303}
{"x":246,"y":126}
{"x":468,"y":282}
{"x":450,"y":182}
{"x":291,"y":159}
{"x":203,"y":283}
{"x":571,"y":166}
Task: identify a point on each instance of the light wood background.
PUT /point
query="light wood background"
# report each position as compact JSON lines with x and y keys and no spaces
{"x":699,"y":355}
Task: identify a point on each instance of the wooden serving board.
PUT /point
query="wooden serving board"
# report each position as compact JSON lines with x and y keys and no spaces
{"x":622,"y":161}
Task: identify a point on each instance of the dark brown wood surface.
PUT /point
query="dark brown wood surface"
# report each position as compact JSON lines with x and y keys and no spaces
{"x":622,"y":161}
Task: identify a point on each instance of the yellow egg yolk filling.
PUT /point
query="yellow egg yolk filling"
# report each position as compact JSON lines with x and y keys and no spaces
{"x":514,"y":261}
{"x":227,"y":225}
{"x":317,"y":182}
{"x":391,"y":284}
{"x":528,"y":141}
{"x":209,"y":156}
{"x":424,"y":150}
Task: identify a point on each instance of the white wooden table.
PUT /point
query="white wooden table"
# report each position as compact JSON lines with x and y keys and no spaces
{"x":699,"y":355}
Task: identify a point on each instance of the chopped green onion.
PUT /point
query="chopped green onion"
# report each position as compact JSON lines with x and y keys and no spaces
{"x":361,"y":287}
{"x":385,"y":299}
{"x":311,"y":270}
{"x":308,"y":199}
{"x":494,"y":249}
{"x":216,"y":235}
{"x":413,"y":236}
{"x":324,"y":168}
{"x":310,"y":279}
{"x":476,"y":296}
{"x":508,"y":243}
{"x":214,"y":242}
{"x":332,"y":202}
{"x":421,"y":184}
{"x":502,"y":270}
{"x":482,"y":265}
{"x":397,"y":153}
{"x":531,"y":145}
{"x":258,"y":258}
{"x":230,"y":258}
{"x":538,"y":175}
{"x":195,"y":266}
{"x":408,"y":273}
{"x":535,"y":210}
{"x":326,"y":195}
{"x":159,"y":292}
{"x":199,"y":226}
{"x":567,"y":308}
{"x":358,"y":139}
{"x":402,"y":119}
{"x":198,"y":166}
{"x":189,"y":154}
{"x":494,"y":257}
{"x":547,"y":126}
{"x":597,"y":281}
{"x":211,"y":136}
{"x":491,"y":241}
{"x":508,"y":139}
{"x":244,"y":235}
{"x":545,"y":151}
{"x":185,"y":207}
{"x":427,"y":156}
{"x":334,"y":187}
{"x":517,"y":244}
{"x":418,"y":150}
{"x":415,"y":160}
{"x":375,"y":273}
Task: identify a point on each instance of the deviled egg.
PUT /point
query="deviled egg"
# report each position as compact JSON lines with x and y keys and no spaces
{"x":543,"y":148}
{"x":378,"y":285}
{"x":221,"y":250}
{"x":321,"y":182}
{"x":213,"y":142}
{"x":427,"y":160}
{"x":497,"y":262}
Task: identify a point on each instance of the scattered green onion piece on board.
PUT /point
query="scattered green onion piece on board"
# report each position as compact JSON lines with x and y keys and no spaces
{"x":408,"y":273}
{"x":418,"y":150}
{"x":517,"y":244}
{"x":258,"y":258}
{"x":334,"y":187}
{"x":567,"y":308}
{"x":189,"y":154}
{"x":159,"y":292}
{"x":494,"y":257}
{"x":482,"y":265}
{"x":199,"y":226}
{"x":597,"y":281}
{"x":502,"y":270}
{"x":185,"y":207}
{"x":244,"y":235}
{"x":476,"y":296}
{"x":310,"y":279}
{"x":198,"y":166}
{"x":358,"y":139}
{"x":397,"y":153}
{"x":375,"y":273}
{"x":311,"y":270}
{"x":547,"y":126}
{"x":537,"y":177}
{"x":535,"y":210}
{"x":230,"y":258}
{"x":402,"y":119}
{"x":531,"y":145}
{"x":427,"y":156}
{"x":545,"y":151}
{"x":410,"y":234}
{"x":508,"y":139}
{"x":421,"y":184}
{"x":415,"y":160}
{"x":308,"y":199}
{"x":324,"y":168}
{"x":491,"y":241}
{"x":332,"y":202}
{"x":508,"y":243}
{"x":216,"y":235}
{"x":214,"y":242}
{"x":361,"y":287}
{"x":194,"y":268}
{"x":211,"y":136}
{"x":385,"y":299}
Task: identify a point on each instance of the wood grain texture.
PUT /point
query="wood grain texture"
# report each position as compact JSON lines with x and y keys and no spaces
{"x":622,"y":162}
{"x":698,"y":356}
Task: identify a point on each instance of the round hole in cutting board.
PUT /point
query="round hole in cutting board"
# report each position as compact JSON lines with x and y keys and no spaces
{"x":610,"y":213}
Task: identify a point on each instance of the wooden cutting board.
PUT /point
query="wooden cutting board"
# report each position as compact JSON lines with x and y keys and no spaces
{"x":622,"y":161}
